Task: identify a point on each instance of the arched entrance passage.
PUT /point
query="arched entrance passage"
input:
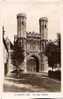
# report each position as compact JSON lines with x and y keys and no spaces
{"x":33,"y":64}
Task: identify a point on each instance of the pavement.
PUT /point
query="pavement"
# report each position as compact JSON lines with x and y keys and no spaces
{"x":29,"y":82}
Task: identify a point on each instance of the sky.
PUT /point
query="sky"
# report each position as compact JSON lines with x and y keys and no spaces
{"x":34,"y":9}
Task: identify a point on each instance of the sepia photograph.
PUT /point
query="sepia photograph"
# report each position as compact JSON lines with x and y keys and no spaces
{"x":31,"y":40}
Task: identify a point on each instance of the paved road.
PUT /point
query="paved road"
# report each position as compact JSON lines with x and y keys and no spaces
{"x":31,"y":83}
{"x":14,"y":87}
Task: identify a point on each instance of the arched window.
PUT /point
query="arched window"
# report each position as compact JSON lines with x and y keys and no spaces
{"x":45,"y":26}
{"x":22,"y":22}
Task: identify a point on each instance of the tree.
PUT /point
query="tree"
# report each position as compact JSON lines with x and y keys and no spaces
{"x":59,"y":48}
{"x":17,"y":56}
{"x":59,"y":39}
{"x":51,"y":52}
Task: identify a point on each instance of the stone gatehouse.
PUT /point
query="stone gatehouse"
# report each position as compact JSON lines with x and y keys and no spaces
{"x":33,"y":44}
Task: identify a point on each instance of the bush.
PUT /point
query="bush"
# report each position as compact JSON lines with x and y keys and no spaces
{"x":55,"y":74}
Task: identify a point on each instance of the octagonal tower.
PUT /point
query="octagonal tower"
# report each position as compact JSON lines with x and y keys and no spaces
{"x":21,"y":25}
{"x":43,"y":27}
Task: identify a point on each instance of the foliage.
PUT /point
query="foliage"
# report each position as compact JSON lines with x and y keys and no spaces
{"x":55,"y":74}
{"x":52,"y":51}
{"x":17,"y":54}
{"x":59,"y":48}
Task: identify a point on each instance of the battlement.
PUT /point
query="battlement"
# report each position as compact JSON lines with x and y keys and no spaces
{"x":33,"y":35}
{"x":21,"y":15}
{"x":43,"y":19}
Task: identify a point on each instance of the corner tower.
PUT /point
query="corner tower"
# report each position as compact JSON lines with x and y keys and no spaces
{"x":21,"y":25}
{"x":21,"y":29}
{"x":21,"y":35}
{"x":43,"y":29}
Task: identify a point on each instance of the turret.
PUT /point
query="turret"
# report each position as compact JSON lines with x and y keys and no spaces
{"x":21,"y":25}
{"x":43,"y":29}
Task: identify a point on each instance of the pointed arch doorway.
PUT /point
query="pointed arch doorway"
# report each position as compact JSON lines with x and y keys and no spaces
{"x":33,"y":64}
